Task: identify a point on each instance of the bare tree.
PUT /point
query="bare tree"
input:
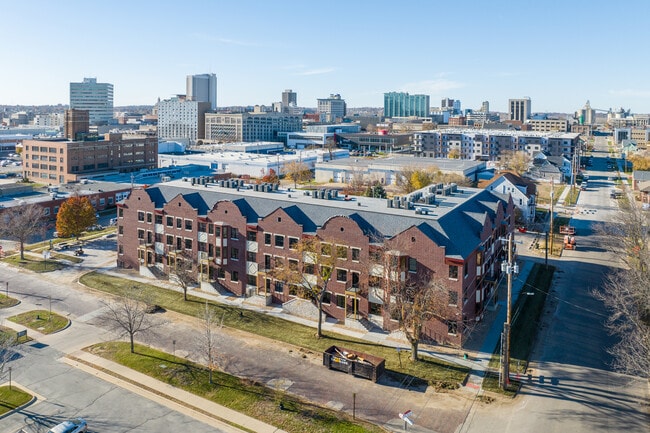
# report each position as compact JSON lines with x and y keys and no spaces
{"x":209,"y":337}
{"x":22,"y":222}
{"x":311,"y":273}
{"x":297,"y":171}
{"x":626,"y":292}
{"x":412,"y":298}
{"x":7,"y":341}
{"x":128,"y":316}
{"x":184,"y":273}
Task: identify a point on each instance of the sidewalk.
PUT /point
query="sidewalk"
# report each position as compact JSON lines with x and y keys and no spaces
{"x":218,"y":416}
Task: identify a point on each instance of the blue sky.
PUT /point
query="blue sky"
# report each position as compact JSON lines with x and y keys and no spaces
{"x":559,"y":53}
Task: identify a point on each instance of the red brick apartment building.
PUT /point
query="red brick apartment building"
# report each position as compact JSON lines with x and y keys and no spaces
{"x":61,"y":161}
{"x":237,"y":235}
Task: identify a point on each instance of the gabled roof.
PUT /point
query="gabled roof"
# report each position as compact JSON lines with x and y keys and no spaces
{"x":458,"y":229}
{"x":516,"y":180}
{"x":641,"y":175}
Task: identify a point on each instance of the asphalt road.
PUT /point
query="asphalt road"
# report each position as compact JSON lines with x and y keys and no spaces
{"x":571,"y":387}
{"x":63,"y":391}
{"x":274,"y":364}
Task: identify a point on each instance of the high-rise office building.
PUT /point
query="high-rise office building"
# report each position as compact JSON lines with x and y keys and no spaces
{"x":289,"y":97}
{"x":202,"y":88}
{"x":95,"y":97}
{"x":401,"y":104}
{"x":331,"y":109}
{"x":485,"y":107}
{"x":519,"y":109}
{"x":180,"y":118}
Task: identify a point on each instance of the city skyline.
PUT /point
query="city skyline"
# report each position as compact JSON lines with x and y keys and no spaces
{"x":557,"y":53}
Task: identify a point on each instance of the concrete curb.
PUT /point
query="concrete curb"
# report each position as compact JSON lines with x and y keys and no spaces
{"x":33,"y":400}
{"x":174,"y":398}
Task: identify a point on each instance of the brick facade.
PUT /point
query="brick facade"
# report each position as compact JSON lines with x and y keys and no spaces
{"x":237,"y":236}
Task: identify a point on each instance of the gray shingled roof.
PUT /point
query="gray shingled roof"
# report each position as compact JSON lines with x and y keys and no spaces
{"x":457,"y":230}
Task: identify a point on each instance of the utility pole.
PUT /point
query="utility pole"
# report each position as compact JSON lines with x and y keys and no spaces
{"x":509,"y":268}
{"x":551,"y":228}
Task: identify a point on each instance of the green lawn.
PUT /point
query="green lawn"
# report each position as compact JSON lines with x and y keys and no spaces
{"x":12,"y":398}
{"x":41,"y":321}
{"x":8,"y":332}
{"x":526,"y":315}
{"x":437,"y":373}
{"x":34,"y":264}
{"x":8,"y":301}
{"x":250,"y":398}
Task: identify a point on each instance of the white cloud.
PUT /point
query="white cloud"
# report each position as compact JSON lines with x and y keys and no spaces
{"x":316,"y":71}
{"x":631,"y":93}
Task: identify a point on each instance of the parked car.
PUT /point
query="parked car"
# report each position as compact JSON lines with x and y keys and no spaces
{"x":71,"y":426}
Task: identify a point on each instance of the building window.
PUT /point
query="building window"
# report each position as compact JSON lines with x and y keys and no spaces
{"x":308,"y":268}
{"x":188,"y":244}
{"x":342,"y":252}
{"x":278,"y":262}
{"x":341,"y":275}
{"x":293,"y":264}
{"x":267,"y":239}
{"x":202,"y":227}
{"x":453,"y":297}
{"x":251,"y":256}
{"x":170,"y":221}
{"x":234,"y":234}
{"x":453,"y":272}
{"x":140,"y":216}
{"x":279,"y":241}
{"x":217,"y":252}
{"x":179,"y":223}
{"x":158,"y":217}
{"x":251,"y":280}
{"x":340,"y":301}
{"x":413,"y":265}
{"x":251,"y":236}
{"x":149,"y":217}
{"x":234,"y":253}
{"x":120,"y":230}
{"x":140,"y":234}
{"x":279,"y":287}
{"x":327,"y":298}
{"x":210,"y":229}
{"x":356,"y":253}
{"x":217,"y":231}
{"x":170,"y":240}
{"x":188,"y":224}
{"x":452,"y":327}
{"x":326,"y":249}
{"x":293,"y":243}
{"x":234,"y":276}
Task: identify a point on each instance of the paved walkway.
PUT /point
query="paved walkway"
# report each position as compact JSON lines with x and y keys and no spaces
{"x":488,"y":333}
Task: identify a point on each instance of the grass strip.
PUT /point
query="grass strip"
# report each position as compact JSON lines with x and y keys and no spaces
{"x":439,"y":374}
{"x":527,"y":314}
{"x":244,"y":396}
{"x":12,"y":398}
{"x":34,"y":265}
{"x":41,"y":320}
